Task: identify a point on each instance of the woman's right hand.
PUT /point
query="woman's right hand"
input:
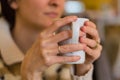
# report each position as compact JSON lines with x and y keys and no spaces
{"x":43,"y":52}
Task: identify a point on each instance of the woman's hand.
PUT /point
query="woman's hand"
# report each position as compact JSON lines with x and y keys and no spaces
{"x":44,"y":51}
{"x":92,"y":49}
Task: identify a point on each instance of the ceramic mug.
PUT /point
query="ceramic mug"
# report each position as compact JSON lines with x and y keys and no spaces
{"x":75,"y":27}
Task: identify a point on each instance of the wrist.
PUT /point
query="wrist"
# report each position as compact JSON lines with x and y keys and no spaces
{"x":82,"y":69}
{"x":32,"y":76}
{"x":30,"y":73}
{"x":35,"y":76}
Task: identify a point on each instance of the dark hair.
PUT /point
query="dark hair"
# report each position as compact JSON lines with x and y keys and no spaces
{"x":7,"y":12}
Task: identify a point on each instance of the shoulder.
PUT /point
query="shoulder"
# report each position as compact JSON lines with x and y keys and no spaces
{"x":3,"y":68}
{"x":5,"y":73}
{"x":3,"y":23}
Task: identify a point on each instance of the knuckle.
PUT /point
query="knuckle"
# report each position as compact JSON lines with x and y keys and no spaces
{"x":92,"y":42}
{"x":94,"y":57}
{"x":95,"y":33}
{"x":57,"y":23}
{"x":100,"y":48}
{"x":42,"y":35}
{"x":44,"y":53}
{"x":47,"y":61}
{"x":44,"y":58}
{"x":98,"y":54}
{"x":73,"y":59}
{"x":98,"y":40}
{"x":65,"y":59}
{"x":67,"y":18}
{"x":94,"y":25}
{"x":97,"y":36}
{"x":43,"y":43}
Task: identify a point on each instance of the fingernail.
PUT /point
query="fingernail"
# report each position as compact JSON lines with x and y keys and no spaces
{"x":84,"y":28}
{"x":86,"y":23}
{"x":82,"y":39}
{"x":75,"y":18}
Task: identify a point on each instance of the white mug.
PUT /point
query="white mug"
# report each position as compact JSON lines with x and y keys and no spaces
{"x":75,"y":27}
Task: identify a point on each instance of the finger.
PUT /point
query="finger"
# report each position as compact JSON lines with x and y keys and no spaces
{"x":51,"y":52}
{"x":90,"y":54}
{"x":55,"y":50}
{"x":64,"y":35}
{"x":91,"y":24}
{"x":91,"y":31}
{"x":94,"y":54}
{"x":65,"y":59}
{"x":90,"y":42}
{"x":82,"y":34}
{"x":60,"y":23}
{"x":71,"y":48}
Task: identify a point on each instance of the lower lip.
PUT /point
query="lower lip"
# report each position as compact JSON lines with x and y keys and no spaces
{"x":52,"y":15}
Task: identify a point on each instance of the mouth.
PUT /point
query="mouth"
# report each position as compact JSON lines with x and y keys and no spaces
{"x":52,"y":14}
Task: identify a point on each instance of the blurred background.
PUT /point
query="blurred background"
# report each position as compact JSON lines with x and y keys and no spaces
{"x":106,"y":15}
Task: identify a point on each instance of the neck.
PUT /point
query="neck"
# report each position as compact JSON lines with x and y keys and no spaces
{"x":24,"y":35}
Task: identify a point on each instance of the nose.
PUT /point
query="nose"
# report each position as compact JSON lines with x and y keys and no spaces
{"x":54,"y":3}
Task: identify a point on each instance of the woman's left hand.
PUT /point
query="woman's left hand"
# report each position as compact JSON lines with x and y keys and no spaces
{"x":92,"y":49}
